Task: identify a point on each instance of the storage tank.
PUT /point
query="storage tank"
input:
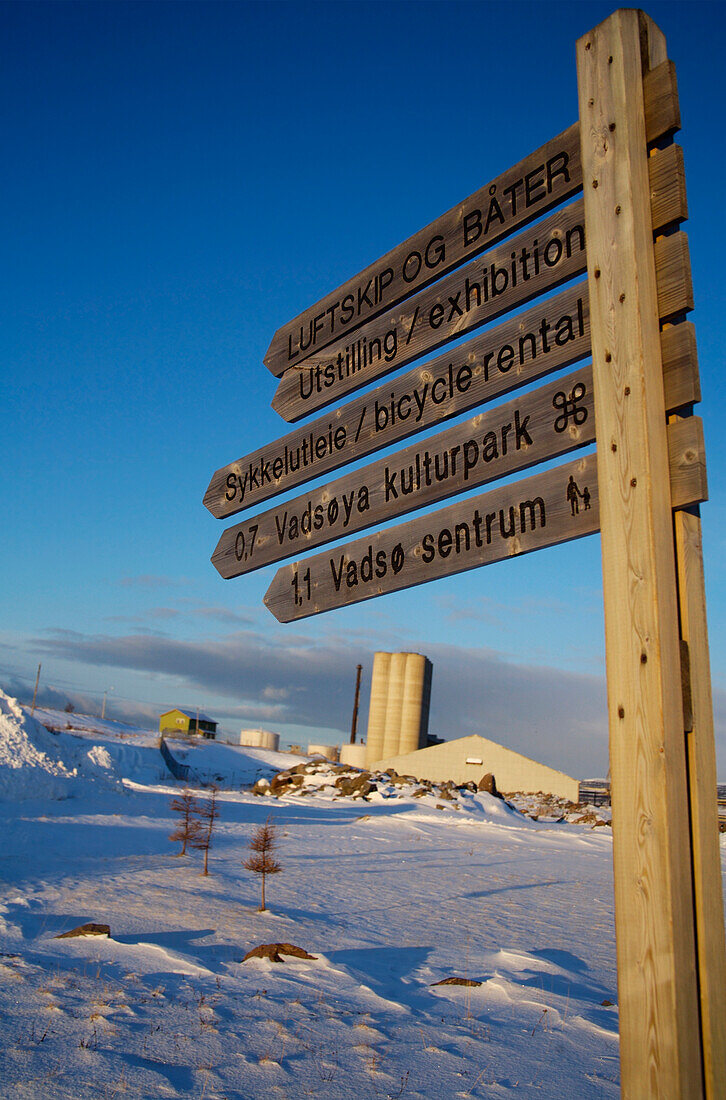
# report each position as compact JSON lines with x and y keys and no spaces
{"x":377,"y":708}
{"x":415,"y":704}
{"x":260,"y":739}
{"x":394,"y":704}
{"x":330,"y":752}
{"x":355,"y":756}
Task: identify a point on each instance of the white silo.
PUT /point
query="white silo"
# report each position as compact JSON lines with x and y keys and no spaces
{"x":394,"y":705}
{"x":377,"y":708}
{"x":330,"y":752}
{"x":260,"y":739}
{"x":355,"y":756}
{"x":415,"y":705}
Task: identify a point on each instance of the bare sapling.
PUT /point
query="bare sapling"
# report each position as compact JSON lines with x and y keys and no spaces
{"x":262,"y":862}
{"x":186,"y":806}
{"x":207,"y":814}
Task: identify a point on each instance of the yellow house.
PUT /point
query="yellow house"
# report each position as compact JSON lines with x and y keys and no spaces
{"x":184,"y":721}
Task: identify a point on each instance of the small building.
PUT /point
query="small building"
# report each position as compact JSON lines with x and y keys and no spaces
{"x":469,"y":758}
{"x":185,"y":721}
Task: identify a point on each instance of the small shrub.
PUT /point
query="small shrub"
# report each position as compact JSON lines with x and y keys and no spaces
{"x":262,"y":862}
{"x":188,"y":828}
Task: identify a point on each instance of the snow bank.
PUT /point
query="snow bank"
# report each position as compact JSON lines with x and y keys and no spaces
{"x":35,"y":763}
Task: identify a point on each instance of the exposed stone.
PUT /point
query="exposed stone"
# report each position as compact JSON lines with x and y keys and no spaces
{"x":275,"y":951}
{"x":282,"y":779}
{"x":446,"y":793}
{"x":419,"y":793}
{"x":86,"y":930}
{"x":487,"y":783}
{"x":457,"y":981}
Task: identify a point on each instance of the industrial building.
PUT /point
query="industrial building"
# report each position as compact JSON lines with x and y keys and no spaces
{"x":469,"y":758}
{"x":184,"y":721}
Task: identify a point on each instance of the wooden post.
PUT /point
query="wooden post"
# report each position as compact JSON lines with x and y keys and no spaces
{"x":703,"y":803}
{"x":660,"y":1044}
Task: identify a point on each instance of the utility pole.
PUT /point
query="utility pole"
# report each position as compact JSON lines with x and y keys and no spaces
{"x":35,"y":691}
{"x":354,"y":724}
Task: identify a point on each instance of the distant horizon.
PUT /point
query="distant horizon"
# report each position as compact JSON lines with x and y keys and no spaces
{"x":188,"y":178}
{"x":229,"y":739}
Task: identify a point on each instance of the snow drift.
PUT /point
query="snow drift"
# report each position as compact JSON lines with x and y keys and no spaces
{"x":35,"y":763}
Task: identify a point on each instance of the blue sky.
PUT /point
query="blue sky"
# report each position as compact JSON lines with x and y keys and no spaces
{"x":183,"y":179}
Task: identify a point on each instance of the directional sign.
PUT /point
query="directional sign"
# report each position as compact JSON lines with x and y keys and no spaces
{"x":544,"y":179}
{"x":525,"y":266}
{"x":547,"y":337}
{"x":466,"y":299}
{"x":548,"y":508}
{"x":551,"y":421}
{"x":548,"y":422}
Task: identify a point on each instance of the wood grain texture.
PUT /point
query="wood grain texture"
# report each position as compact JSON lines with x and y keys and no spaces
{"x":673,"y":276}
{"x":660,"y":101}
{"x":662,"y":117}
{"x":681,"y":379}
{"x":659,"y":1021}
{"x":473,"y":375}
{"x":704,"y":807}
{"x":508,"y":521}
{"x":492,"y":375}
{"x":667,"y":176}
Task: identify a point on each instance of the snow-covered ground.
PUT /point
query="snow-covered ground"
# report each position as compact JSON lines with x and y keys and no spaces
{"x":390,"y":895}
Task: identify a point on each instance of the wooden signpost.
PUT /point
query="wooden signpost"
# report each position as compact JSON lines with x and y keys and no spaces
{"x":640,"y":489}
